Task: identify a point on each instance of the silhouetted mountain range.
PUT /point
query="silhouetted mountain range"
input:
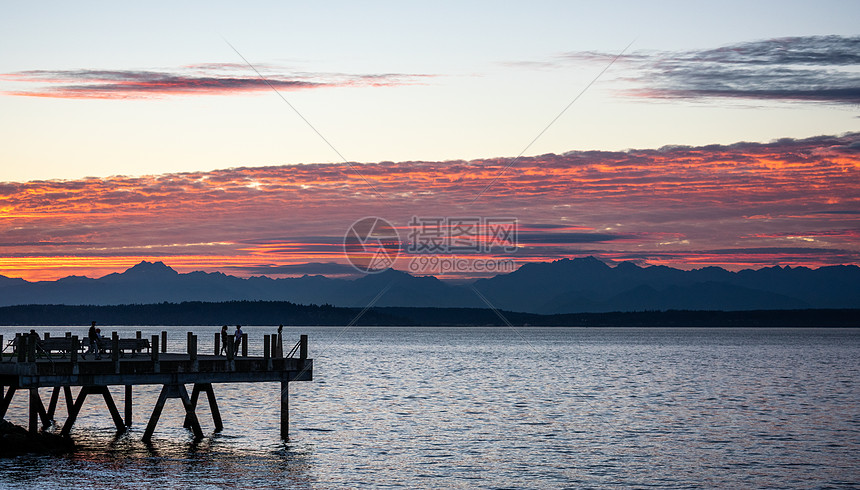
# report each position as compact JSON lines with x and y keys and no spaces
{"x":563,"y":286}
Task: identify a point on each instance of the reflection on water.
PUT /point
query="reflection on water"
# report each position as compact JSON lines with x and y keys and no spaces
{"x":478,"y":407}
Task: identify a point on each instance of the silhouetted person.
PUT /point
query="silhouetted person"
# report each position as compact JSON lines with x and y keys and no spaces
{"x":224,"y":336}
{"x":93,"y":337}
{"x":279,"y":346}
{"x":99,"y":343}
{"x":237,"y":340}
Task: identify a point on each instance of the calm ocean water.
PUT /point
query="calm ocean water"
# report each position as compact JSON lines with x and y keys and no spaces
{"x":496,"y":408}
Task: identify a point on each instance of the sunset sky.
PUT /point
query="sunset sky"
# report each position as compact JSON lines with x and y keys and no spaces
{"x":672,"y":133}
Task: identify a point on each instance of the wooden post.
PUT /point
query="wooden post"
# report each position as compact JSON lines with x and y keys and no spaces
{"x":190,"y":346}
{"x":303,"y":347}
{"x":285,"y":410}
{"x":114,"y":350}
{"x":1,"y":350}
{"x":154,"y":349}
{"x":20,"y":347}
{"x":217,"y":343}
{"x":31,"y":348}
{"x":267,"y":352}
{"x":230,"y":347}
{"x":34,"y":410}
{"x":244,"y":345}
{"x":76,"y":346}
{"x":164,"y":341}
{"x":128,"y":404}
{"x":138,"y":335}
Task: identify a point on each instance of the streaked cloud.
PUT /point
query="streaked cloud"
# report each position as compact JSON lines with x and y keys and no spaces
{"x":200,"y":79}
{"x":789,"y":202}
{"x":810,"y":68}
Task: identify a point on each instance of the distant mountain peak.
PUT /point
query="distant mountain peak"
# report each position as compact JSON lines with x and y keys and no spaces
{"x":148,"y":270}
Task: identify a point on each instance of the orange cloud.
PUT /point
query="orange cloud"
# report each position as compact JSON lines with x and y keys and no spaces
{"x":678,"y":204}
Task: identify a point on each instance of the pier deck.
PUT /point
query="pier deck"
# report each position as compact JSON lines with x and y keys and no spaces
{"x":31,"y":368}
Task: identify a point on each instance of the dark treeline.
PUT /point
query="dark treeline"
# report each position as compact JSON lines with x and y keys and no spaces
{"x":282,"y":312}
{"x":190,"y":313}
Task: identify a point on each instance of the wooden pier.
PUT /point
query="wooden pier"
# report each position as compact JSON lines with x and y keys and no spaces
{"x":61,"y":362}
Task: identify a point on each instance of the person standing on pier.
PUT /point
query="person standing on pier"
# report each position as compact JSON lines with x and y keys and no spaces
{"x":93,"y":337}
{"x":224,"y":336}
{"x":237,"y":340}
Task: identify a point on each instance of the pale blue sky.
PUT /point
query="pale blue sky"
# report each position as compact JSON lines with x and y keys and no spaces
{"x":496,"y":76}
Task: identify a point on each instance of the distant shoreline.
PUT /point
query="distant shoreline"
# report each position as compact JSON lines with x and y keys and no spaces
{"x":291,"y":314}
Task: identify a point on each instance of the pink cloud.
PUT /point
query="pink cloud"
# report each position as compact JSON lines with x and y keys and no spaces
{"x":202,"y":79}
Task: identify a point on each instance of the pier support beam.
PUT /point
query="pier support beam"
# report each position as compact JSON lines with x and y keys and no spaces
{"x":37,"y":411}
{"x":76,"y":408}
{"x":55,"y":398}
{"x":285,"y":410}
{"x":213,"y":405}
{"x":173,"y":391}
{"x":128,"y":405}
{"x":6,"y":400}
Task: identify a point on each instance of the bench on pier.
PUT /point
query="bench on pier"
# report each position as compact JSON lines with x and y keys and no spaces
{"x":63,"y":346}
{"x":133,"y":346}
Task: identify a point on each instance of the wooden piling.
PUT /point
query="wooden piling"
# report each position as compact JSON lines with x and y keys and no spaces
{"x":22,"y":350}
{"x":267,"y":351}
{"x":76,"y":346}
{"x":128,"y":405}
{"x":34,"y":411}
{"x":31,"y":348}
{"x":285,"y":410}
{"x":154,"y":348}
{"x":303,"y":347}
{"x":244,"y":345}
{"x":164,"y":341}
{"x":192,"y":347}
{"x":217,"y":344}
{"x":114,"y":350}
